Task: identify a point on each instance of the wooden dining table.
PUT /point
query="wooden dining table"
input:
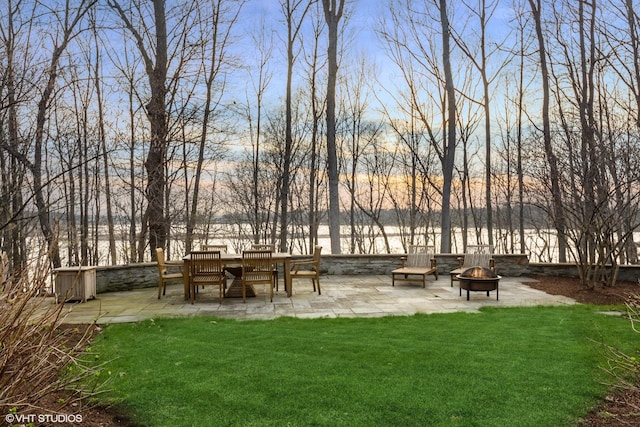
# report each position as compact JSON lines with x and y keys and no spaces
{"x":283,"y":258}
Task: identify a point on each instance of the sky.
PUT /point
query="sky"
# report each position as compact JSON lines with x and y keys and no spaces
{"x":365,"y":17}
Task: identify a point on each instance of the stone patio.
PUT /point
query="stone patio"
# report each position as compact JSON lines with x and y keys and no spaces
{"x":342,"y":296}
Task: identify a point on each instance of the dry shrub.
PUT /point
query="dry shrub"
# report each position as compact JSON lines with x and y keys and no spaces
{"x":39,"y":356}
{"x":622,"y":367}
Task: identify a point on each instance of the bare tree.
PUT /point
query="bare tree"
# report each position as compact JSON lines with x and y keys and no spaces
{"x":484,"y":12}
{"x":155,"y":58}
{"x":556,"y":195}
{"x":371,"y":199}
{"x":134,"y":209}
{"x":13,"y":170}
{"x":220,"y":21}
{"x":71,"y":19}
{"x":290,"y":8}
{"x":333,"y":10}
{"x":519,"y":133}
{"x":449,"y":148}
{"x":357,"y":132}
{"x":314,"y":64}
{"x":431,"y":97}
{"x":102,"y":138}
{"x":259,"y":83}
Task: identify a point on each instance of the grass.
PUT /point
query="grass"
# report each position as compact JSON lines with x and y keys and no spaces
{"x":502,"y":367}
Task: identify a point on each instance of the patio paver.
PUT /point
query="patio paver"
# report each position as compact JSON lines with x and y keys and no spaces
{"x":342,"y":296}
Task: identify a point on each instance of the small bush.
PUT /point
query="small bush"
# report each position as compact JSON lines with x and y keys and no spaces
{"x":623,"y":367}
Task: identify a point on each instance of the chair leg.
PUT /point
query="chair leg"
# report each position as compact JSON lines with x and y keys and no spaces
{"x":319,"y":293}
{"x":160,"y":289}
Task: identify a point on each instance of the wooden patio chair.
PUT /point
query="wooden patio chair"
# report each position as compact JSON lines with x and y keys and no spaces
{"x":164,"y":275}
{"x":418,"y":264}
{"x":257,"y":269}
{"x":263,"y":247}
{"x":308,"y":269}
{"x":475,"y":256}
{"x":272,"y":248}
{"x":213,"y":248}
{"x":206,"y":270}
{"x":234,"y":269}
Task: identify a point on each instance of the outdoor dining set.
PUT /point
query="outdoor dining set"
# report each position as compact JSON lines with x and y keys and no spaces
{"x":212,"y":265}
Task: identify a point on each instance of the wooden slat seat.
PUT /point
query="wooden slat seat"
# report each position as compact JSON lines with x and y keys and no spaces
{"x":418,"y":264}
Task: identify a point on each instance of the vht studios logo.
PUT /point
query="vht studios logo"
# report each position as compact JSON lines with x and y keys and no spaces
{"x":42,"y":418}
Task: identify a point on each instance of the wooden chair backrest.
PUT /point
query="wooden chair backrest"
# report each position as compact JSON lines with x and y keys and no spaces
{"x":213,"y":248}
{"x":478,"y":255}
{"x":205,"y":263}
{"x":257,"y":265}
{"x":316,"y":257}
{"x":420,"y":256}
{"x":162,"y":267}
{"x":263,"y":247}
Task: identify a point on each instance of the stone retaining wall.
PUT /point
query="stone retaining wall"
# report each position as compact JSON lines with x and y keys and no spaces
{"x":144,"y":275}
{"x":506,"y":265}
{"x":126,"y":277}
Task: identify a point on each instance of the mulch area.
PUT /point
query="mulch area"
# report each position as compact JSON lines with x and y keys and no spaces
{"x":621,"y":408}
{"x":571,"y":287}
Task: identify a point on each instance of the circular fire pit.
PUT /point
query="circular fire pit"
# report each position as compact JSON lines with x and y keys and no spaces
{"x":480,"y":279}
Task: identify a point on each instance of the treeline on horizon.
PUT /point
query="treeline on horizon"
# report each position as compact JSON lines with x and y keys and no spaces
{"x":143,"y":117}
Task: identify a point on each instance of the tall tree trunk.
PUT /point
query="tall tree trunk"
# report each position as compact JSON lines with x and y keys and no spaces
{"x":293,"y":29}
{"x":450,"y":143}
{"x":156,"y":110}
{"x":487,"y":126}
{"x":135,"y":253}
{"x":313,"y":160}
{"x":286,"y":164}
{"x":41,"y":204}
{"x":520,"y":172}
{"x":103,"y":150}
{"x":333,"y":13}
{"x":12,"y":169}
{"x":556,"y":195}
{"x":84,"y":192}
{"x":594,"y":193}
{"x":157,"y":115}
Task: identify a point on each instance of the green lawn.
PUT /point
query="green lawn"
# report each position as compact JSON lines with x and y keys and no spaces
{"x":503,"y":367}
